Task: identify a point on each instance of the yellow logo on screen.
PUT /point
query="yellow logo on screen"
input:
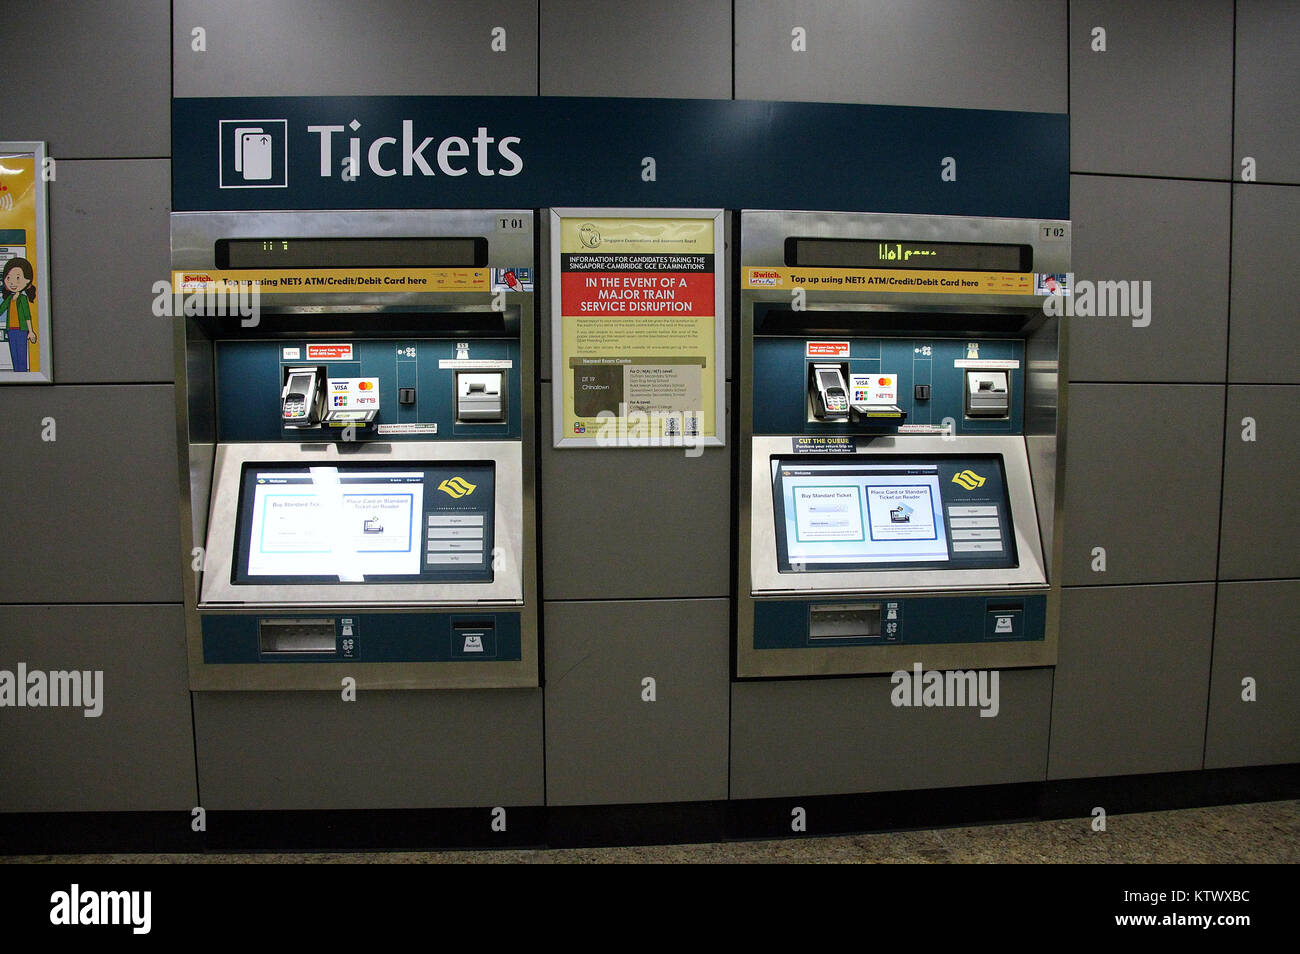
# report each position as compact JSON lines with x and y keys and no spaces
{"x":457,"y":487}
{"x":968,"y":479}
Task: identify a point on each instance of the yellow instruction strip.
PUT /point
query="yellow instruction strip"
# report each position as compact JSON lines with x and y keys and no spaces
{"x":891,"y":280}
{"x":335,"y":280}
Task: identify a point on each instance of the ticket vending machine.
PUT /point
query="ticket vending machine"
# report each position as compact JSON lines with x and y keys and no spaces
{"x":899,"y":425}
{"x":355,"y":397}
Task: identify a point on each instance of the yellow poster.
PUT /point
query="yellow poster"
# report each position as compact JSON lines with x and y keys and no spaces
{"x":638,"y":336}
{"x":24,"y":302}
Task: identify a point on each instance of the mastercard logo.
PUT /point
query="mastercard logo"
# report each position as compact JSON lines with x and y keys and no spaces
{"x":365,"y":386}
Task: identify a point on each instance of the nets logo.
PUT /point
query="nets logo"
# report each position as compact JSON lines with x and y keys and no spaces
{"x":457,"y":487}
{"x":254,"y":153}
{"x":968,"y":479}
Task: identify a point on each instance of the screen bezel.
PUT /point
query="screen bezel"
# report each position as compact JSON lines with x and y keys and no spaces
{"x":1008,"y":560}
{"x":239,"y":576}
{"x":512,"y":546}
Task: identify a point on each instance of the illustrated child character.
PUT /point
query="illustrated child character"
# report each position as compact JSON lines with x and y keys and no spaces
{"x":17,"y":293}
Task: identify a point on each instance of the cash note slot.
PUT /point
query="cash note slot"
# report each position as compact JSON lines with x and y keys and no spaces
{"x":845,"y":621}
{"x":294,"y":635}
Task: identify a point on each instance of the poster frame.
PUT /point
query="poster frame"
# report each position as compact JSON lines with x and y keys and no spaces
{"x":559,"y":359}
{"x":40,"y":259}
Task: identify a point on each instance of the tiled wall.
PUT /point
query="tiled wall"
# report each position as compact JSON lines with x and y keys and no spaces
{"x":1153,"y":649}
{"x":1160,"y":124}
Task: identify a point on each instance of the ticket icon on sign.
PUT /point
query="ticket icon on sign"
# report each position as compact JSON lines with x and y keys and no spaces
{"x":253,"y":153}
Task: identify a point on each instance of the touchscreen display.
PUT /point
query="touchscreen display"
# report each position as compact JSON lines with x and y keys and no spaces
{"x":365,"y":524}
{"x":891,"y":513}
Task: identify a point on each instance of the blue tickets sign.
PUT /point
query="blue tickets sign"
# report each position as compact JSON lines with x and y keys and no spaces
{"x":390,"y":152}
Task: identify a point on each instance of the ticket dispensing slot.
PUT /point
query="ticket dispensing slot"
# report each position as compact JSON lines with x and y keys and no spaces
{"x":897,"y":443}
{"x":988,"y":394}
{"x":479,"y":396}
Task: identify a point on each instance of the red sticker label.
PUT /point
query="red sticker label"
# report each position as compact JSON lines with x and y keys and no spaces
{"x":329,"y":352}
{"x":828,"y":349}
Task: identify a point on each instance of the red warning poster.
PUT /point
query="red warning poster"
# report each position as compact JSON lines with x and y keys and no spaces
{"x":638,"y":335}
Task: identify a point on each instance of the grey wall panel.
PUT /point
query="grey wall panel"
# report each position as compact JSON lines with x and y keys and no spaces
{"x":311,"y":750}
{"x":106,"y":254}
{"x":1142,"y":481}
{"x":92,"y":79}
{"x":1131,"y":680}
{"x":1264,"y":336}
{"x":1267,"y":115}
{"x":1260,"y":537}
{"x":138,"y":754}
{"x":630,"y":523}
{"x":98,"y":520}
{"x":834,"y":736}
{"x":1173,"y":235}
{"x":1158,"y":101}
{"x":1255,"y":636}
{"x":673,"y":48}
{"x":385,"y":47}
{"x":604,"y":743}
{"x":979,"y":54}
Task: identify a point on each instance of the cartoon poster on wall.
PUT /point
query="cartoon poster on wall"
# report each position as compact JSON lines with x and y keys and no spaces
{"x":24,"y":266}
{"x":637,"y":330}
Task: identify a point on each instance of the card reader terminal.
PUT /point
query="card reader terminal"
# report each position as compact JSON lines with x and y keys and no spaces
{"x":300,"y":400}
{"x":830,"y":393}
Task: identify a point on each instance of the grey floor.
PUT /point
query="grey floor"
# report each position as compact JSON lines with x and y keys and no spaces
{"x":1265,"y":832}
